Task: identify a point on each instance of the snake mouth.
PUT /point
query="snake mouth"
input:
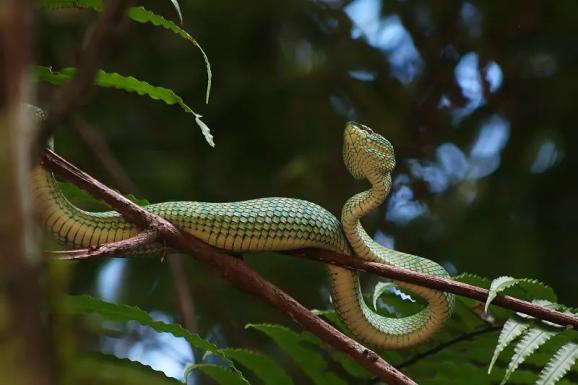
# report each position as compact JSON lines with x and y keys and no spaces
{"x":362,"y":127}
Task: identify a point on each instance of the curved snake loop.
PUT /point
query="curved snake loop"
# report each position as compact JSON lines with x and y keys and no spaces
{"x":273,"y":224}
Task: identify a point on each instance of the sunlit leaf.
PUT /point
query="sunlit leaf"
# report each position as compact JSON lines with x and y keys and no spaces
{"x":528,"y":345}
{"x":498,"y":285}
{"x":379,"y":289}
{"x":559,"y":365}
{"x":513,"y":328}
{"x":178,"y":9}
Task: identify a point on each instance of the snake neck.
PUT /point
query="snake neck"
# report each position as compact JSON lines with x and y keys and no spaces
{"x":358,"y":206}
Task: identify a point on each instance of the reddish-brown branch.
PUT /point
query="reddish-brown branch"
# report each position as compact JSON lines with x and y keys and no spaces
{"x":70,"y":95}
{"x":232,"y":269}
{"x":141,"y":239}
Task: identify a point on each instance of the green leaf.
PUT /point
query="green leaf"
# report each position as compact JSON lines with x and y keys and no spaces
{"x":379,"y":289}
{"x":261,"y":365}
{"x":350,"y":366}
{"x":528,"y":345}
{"x":473,"y":279}
{"x":140,"y":15}
{"x":125,"y":313}
{"x":559,"y":365}
{"x":219,"y":374}
{"x":498,"y":285}
{"x":105,"y":369}
{"x":313,"y":364}
{"x":535,"y":289}
{"x":513,"y":328}
{"x":126,"y":83}
{"x":57,"y":4}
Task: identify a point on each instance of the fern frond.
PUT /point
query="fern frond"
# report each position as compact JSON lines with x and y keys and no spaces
{"x":125,"y":83}
{"x":559,"y":365}
{"x":116,"y":312}
{"x":261,"y":365}
{"x":528,"y":345}
{"x":498,"y":285}
{"x":140,"y":15}
{"x":513,"y":328}
{"x":219,"y":374}
{"x":310,"y":361}
{"x":379,"y":289}
{"x":473,"y":279}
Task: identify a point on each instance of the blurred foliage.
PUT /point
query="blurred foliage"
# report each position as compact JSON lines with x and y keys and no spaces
{"x":477,"y":98}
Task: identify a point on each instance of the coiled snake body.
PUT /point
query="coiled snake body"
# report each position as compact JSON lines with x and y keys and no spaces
{"x":270,"y":224}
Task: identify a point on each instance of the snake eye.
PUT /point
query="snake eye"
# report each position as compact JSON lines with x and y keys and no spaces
{"x":366,"y":129}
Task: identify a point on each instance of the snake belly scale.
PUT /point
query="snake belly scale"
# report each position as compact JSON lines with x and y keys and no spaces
{"x":275,"y":224}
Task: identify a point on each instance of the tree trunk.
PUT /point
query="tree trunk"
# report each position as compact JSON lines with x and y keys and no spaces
{"x":24,"y":354}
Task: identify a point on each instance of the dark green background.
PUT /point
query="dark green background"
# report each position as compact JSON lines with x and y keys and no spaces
{"x":282,"y":92}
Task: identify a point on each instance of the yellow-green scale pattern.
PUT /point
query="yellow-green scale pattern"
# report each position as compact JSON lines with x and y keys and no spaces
{"x":270,"y":224}
{"x":253,"y":225}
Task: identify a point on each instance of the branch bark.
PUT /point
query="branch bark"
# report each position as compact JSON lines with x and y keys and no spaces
{"x":230,"y":268}
{"x":143,"y":238}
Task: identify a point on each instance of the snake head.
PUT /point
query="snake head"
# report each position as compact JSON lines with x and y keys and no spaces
{"x":366,"y":153}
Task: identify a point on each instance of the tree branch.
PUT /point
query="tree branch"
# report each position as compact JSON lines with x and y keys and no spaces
{"x":232,"y":269}
{"x":143,"y":238}
{"x":69,"y":96}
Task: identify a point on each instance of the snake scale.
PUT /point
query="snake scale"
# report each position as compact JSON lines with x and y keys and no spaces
{"x":274,"y":224}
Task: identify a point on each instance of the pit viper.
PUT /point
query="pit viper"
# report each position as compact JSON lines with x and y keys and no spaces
{"x":276,"y":224}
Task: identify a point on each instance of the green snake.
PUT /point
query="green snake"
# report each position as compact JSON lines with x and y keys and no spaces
{"x":276,"y":224}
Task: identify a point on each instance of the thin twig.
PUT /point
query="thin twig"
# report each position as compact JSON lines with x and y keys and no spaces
{"x":98,"y":146}
{"x":70,"y":95}
{"x":143,"y":238}
{"x":232,"y":269}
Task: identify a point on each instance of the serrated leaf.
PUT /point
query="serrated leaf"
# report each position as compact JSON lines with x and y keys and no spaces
{"x":559,"y":365}
{"x":513,"y":328}
{"x":125,"y":83}
{"x":379,"y":289}
{"x":124,"y":313}
{"x":105,"y":369}
{"x":140,"y":15}
{"x":310,"y":361}
{"x":473,"y":279}
{"x":221,"y":375}
{"x":498,"y":285}
{"x":528,"y":345}
{"x":262,"y":366}
{"x":350,"y":366}
{"x":143,"y":15}
{"x":57,"y":4}
{"x":537,"y":290}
